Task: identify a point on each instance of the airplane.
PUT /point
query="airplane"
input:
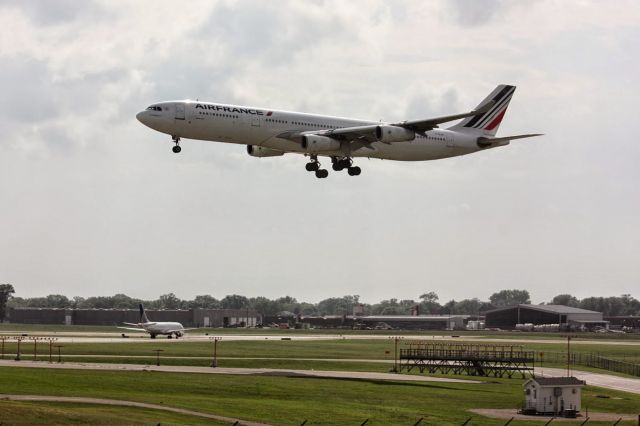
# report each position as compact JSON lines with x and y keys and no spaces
{"x":155,"y":328}
{"x":270,"y":133}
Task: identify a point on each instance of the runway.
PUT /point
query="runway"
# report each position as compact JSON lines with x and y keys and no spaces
{"x":132,"y":337}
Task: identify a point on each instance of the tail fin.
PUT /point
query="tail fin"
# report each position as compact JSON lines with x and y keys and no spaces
{"x":488,"y":122}
{"x":143,"y":316}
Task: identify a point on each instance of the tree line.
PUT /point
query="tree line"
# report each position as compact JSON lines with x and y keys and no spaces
{"x":427,"y":303}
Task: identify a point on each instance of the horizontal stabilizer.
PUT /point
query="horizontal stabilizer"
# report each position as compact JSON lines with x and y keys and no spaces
{"x":489,"y":141}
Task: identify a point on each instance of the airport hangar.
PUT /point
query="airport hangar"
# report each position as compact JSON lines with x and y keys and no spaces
{"x":187,"y":317}
{"x":564,"y":316}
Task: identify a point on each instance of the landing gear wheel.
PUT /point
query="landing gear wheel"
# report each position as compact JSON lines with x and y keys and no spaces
{"x":153,"y":336}
{"x":354,"y":171}
{"x":312,"y":166}
{"x":176,"y":140}
{"x":322,"y":173}
{"x":336,"y":166}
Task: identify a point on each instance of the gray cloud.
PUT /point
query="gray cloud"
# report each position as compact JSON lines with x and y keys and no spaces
{"x":95,"y":203}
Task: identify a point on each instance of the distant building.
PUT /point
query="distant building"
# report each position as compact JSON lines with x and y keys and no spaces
{"x":553,"y":395}
{"x":564,"y":316}
{"x":188,"y":317}
{"x":419,"y":322}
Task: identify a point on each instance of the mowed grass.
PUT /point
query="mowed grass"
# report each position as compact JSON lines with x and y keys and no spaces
{"x":52,"y":413}
{"x":349,"y":349}
{"x":287,"y":401}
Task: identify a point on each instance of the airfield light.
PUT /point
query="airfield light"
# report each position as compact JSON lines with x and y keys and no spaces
{"x":214,"y":361}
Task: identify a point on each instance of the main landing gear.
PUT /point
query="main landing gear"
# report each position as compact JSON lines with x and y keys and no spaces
{"x":345,"y":163}
{"x":176,"y":140}
{"x":337,"y":165}
{"x":314,"y":166}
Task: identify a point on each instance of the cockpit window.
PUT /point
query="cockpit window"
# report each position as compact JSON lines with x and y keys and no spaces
{"x":154,"y":108}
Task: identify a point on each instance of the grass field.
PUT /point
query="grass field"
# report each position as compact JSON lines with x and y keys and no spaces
{"x":277,"y":400}
{"x":375,"y":349}
{"x":286,"y":401}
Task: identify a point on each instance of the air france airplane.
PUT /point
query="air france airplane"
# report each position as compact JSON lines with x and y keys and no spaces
{"x":269,"y":132}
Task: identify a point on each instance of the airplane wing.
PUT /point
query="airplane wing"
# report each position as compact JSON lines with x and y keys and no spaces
{"x":421,"y":126}
{"x":364,"y":135}
{"x":133,"y":329}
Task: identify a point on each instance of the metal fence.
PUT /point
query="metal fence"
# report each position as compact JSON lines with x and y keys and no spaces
{"x":591,"y":360}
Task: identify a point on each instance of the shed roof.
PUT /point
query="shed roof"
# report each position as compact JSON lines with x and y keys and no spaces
{"x":555,"y":309}
{"x":558,"y":381}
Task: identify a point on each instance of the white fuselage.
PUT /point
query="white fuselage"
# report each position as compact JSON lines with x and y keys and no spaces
{"x":162,"y":328}
{"x":261,"y":127}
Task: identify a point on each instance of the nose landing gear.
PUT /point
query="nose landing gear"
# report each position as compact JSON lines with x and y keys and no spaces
{"x":176,"y":140}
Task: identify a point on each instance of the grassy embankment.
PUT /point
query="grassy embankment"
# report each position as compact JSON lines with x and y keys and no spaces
{"x":282,"y":400}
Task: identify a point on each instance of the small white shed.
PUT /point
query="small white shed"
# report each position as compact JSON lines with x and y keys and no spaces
{"x":553,"y":395}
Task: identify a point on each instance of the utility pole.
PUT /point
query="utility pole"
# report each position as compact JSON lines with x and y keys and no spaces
{"x":568,"y":356}
{"x":395,"y":353}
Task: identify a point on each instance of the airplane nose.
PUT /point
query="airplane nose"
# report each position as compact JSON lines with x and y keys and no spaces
{"x":140,"y":116}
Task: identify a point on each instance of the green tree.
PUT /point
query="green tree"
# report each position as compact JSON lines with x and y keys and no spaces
{"x":6,"y":293}
{"x":510,"y":298}
{"x":429,"y":303}
{"x":57,"y":301}
{"x":234,"y":301}
{"x":169,"y":301}
{"x":566,"y":300}
{"x":205,"y":301}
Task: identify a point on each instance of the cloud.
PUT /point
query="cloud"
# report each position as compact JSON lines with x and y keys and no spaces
{"x":95,"y":202}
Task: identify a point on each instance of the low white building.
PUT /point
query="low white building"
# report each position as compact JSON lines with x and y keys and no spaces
{"x":553,"y":395}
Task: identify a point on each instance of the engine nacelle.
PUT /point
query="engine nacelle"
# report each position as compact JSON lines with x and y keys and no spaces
{"x":259,"y":151}
{"x":394,"y":134}
{"x":316,"y":143}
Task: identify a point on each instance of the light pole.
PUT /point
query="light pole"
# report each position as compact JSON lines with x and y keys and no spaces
{"x":157,"y":351}
{"x":214,"y":361}
{"x":568,"y":356}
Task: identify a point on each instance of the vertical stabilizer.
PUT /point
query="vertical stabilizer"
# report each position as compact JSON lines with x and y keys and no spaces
{"x":143,"y":315}
{"x":487,"y":123}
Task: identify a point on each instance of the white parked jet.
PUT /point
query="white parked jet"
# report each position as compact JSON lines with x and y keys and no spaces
{"x":269,"y":132}
{"x":155,"y":328}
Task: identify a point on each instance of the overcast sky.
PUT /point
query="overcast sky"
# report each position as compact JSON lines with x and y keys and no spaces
{"x":94,"y":203}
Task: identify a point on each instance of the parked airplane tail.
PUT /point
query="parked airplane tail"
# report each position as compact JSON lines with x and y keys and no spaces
{"x":143,"y":315}
{"x":487,"y":123}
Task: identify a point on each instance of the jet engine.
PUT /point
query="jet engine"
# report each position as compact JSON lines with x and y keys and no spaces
{"x":394,"y":134}
{"x":259,"y":151}
{"x":316,"y":143}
